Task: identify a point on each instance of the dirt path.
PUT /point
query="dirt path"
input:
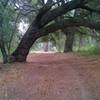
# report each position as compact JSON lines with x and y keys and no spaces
{"x":51,"y":77}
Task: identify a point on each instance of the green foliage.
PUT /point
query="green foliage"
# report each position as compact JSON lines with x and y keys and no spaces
{"x":34,"y":2}
{"x":8,"y":19}
{"x":90,"y":51}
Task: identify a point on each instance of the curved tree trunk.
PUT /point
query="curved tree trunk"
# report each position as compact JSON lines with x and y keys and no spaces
{"x":46,"y":15}
{"x":21,"y":52}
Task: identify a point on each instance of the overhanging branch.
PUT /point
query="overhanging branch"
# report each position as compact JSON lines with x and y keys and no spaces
{"x":72,"y":22}
{"x":91,"y":9}
{"x":51,"y":15}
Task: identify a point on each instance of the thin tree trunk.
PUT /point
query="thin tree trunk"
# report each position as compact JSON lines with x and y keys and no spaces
{"x":80,"y":42}
{"x":46,"y":45}
{"x":4,"y":53}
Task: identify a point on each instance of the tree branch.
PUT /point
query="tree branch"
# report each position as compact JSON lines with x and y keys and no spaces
{"x":72,"y":22}
{"x":91,"y":9}
{"x":51,"y":15}
{"x":43,"y":11}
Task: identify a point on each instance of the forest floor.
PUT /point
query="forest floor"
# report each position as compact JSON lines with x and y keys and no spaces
{"x":51,"y":77}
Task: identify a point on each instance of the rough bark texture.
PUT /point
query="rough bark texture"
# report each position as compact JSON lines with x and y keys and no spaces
{"x":27,"y":41}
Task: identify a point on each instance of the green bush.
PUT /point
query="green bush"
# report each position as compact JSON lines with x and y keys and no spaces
{"x":90,"y":51}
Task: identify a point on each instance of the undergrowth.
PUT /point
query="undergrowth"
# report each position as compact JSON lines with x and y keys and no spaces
{"x":90,"y":51}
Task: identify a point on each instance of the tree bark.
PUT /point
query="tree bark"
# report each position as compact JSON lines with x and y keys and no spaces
{"x":43,"y":18}
{"x":69,"y":40}
{"x":4,"y":53}
{"x":46,"y":46}
{"x":35,"y":30}
{"x":21,"y":52}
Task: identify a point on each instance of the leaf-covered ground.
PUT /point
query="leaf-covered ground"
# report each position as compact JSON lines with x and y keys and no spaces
{"x":51,"y":77}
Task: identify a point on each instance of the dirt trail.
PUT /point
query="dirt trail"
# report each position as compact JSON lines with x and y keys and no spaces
{"x":51,"y":77}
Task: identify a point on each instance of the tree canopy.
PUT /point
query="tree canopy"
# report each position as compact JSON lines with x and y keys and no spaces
{"x":45,"y":17}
